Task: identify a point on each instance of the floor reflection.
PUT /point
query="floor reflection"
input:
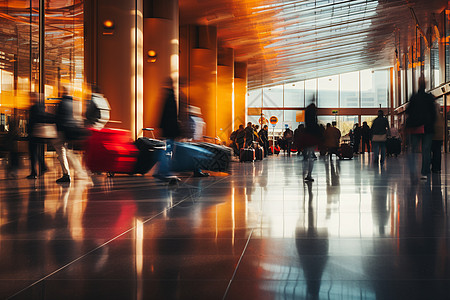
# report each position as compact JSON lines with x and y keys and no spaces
{"x":259,"y":233}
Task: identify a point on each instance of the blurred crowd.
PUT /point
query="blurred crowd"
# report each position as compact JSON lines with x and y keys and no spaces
{"x":421,"y":132}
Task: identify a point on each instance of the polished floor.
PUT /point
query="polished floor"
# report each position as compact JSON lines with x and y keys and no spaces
{"x":356,"y":232}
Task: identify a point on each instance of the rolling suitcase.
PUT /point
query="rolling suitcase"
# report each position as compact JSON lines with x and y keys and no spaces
{"x":187,"y":157}
{"x":149,"y":152}
{"x":259,"y":153}
{"x":345,"y":151}
{"x":221,"y":157}
{"x":393,"y":146}
{"x":247,"y":154}
{"x":111,"y":150}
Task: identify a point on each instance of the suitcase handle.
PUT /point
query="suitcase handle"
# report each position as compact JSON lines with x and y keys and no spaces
{"x":151,"y":131}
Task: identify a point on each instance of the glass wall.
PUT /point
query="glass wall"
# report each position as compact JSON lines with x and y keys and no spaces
{"x":361,"y":89}
{"x":349,"y":90}
{"x":328,"y":91}
{"x":19,"y":54}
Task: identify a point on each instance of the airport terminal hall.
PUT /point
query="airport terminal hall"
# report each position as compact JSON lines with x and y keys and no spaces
{"x":224,"y":149}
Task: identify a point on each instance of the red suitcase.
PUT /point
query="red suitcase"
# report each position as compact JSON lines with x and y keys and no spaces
{"x":111,"y":150}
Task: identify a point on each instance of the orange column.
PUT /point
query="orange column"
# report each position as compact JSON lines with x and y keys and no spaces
{"x":240,"y":93}
{"x":225,"y":80}
{"x":161,"y":47}
{"x":199,"y":55}
{"x":113,"y":57}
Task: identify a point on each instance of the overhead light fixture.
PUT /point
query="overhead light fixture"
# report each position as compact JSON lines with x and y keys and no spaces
{"x":108,"y":26}
{"x":151,"y":54}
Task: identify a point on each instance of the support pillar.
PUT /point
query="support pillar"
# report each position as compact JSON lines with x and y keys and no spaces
{"x":225,"y":93}
{"x":161,"y":55}
{"x":199,"y":66}
{"x":113,"y":57}
{"x":240,"y":93}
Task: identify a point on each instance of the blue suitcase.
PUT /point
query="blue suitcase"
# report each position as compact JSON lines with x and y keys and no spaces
{"x":187,"y":157}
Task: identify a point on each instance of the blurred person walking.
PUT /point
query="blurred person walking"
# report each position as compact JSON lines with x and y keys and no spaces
{"x":97,"y":110}
{"x":288,"y":136}
{"x":380,"y":127}
{"x":419,"y":126}
{"x":332,"y":137}
{"x":438,"y":138}
{"x":356,"y":138}
{"x":240,"y":137}
{"x":170,"y":129}
{"x":12,"y":144}
{"x":68,"y":130}
{"x":366,"y":136}
{"x":249,"y":136}
{"x":264,"y":138}
{"x":37,"y":118}
{"x":313,"y":137}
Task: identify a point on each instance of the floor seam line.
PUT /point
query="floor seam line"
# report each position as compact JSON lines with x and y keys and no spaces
{"x":238,"y":264}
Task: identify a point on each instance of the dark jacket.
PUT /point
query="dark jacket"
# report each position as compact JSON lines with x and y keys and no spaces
{"x":169,"y":117}
{"x":240,"y":136}
{"x":380,"y":126}
{"x":64,"y":114}
{"x":311,"y":125}
{"x":366,"y":133}
{"x":421,"y":111}
{"x":264,"y":136}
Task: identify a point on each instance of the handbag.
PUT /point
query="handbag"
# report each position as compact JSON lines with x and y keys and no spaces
{"x":379,"y":138}
{"x":44,"y":131}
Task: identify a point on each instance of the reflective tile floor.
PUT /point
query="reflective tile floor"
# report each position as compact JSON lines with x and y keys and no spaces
{"x":356,"y":232}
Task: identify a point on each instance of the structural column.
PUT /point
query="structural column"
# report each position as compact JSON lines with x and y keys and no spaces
{"x":198,"y":64}
{"x":240,"y":92}
{"x":225,"y":93}
{"x":161,"y":55}
{"x":113,"y":57}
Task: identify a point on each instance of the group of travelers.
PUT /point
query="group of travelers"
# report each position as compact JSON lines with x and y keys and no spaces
{"x":59,"y":130}
{"x":244,"y":137}
{"x":423,"y":129}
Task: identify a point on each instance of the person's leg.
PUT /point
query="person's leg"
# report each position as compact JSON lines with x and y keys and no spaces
{"x":310,"y":164}
{"x":426,"y":153}
{"x":32,"y":148}
{"x":436,"y":156}
{"x":376,"y":149}
{"x":413,"y":145}
{"x":75,"y":162}
{"x":355,"y":146}
{"x":61,"y":152}
{"x":383,"y":152}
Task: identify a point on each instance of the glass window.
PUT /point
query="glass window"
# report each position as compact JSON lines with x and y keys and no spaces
{"x":345,"y":123}
{"x":310,"y":90}
{"x":349,"y":91}
{"x":409,"y":80}
{"x":294,"y":94}
{"x":368,"y":119}
{"x":434,"y":62}
{"x":374,"y":88}
{"x":273,"y":96}
{"x":326,"y":119}
{"x":402,"y":87}
{"x":290,"y":119}
{"x":328,"y":94}
{"x":254,"y":98}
